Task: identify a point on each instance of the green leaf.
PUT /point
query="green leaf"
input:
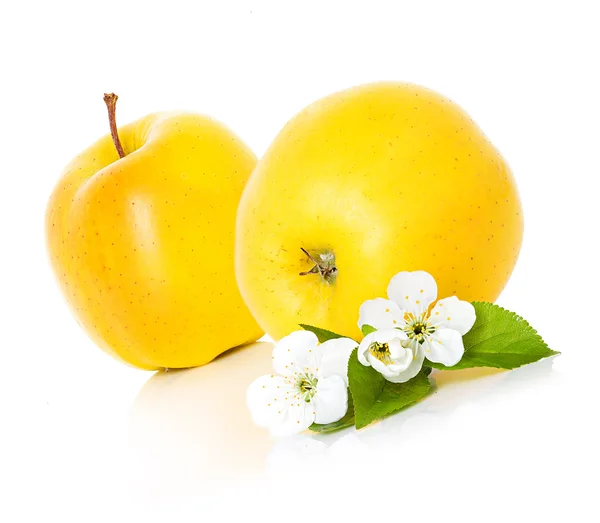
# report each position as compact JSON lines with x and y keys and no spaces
{"x":346,"y":421}
{"x":500,"y":339}
{"x":374,"y":397}
{"x":322,"y":334}
{"x":367,"y":329}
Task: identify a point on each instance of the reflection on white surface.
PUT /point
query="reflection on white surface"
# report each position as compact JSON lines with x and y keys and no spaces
{"x":426,"y":431}
{"x":191,"y":427}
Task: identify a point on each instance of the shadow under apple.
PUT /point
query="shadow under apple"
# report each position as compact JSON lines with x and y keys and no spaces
{"x":190,"y":426}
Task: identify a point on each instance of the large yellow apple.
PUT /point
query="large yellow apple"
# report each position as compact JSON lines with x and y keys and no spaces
{"x":371,"y":181}
{"x":142,"y":246}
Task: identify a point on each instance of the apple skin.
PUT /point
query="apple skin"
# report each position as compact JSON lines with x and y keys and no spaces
{"x":387,"y":177}
{"x":142,"y":246}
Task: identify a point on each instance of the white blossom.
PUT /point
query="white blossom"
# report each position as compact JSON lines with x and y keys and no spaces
{"x":310,"y":384}
{"x":428,"y":332}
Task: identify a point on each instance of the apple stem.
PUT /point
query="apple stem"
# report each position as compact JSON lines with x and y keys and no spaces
{"x":111,"y":104}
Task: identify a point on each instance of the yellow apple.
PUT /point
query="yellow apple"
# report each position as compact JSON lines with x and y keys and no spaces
{"x":142,"y":245}
{"x":363,"y":184}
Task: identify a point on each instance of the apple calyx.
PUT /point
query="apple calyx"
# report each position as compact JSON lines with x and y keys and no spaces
{"x":324,"y":265}
{"x":110,"y":99}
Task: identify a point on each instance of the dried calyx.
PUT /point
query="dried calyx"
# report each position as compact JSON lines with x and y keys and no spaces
{"x":324,"y":265}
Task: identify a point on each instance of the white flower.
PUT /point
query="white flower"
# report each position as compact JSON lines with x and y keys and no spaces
{"x":310,"y":384}
{"x":433,"y":333}
{"x":390,"y":354}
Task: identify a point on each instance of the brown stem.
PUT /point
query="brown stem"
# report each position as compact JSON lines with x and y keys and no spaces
{"x":111,"y":104}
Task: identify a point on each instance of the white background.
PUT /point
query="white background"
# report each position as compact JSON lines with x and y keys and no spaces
{"x":85,"y":438}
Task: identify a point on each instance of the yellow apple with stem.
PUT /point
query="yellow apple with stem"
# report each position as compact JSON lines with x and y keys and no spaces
{"x":140,"y":231}
{"x":366,"y":183}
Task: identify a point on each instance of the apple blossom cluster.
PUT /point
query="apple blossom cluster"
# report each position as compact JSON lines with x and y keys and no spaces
{"x":310,"y":382}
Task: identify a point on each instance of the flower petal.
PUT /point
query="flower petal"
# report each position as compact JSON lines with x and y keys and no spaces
{"x":335,"y":356}
{"x":331,"y":399}
{"x":412,"y":370}
{"x":266,"y":396}
{"x":363,"y":348}
{"x":296,"y":352}
{"x":452,"y":313}
{"x":294,"y":419}
{"x":445,"y":346}
{"x":379,"y":366}
{"x":274,"y":404}
{"x":397,"y":350}
{"x":381,"y":314}
{"x":391,"y":370}
{"x":413,"y":291}
{"x":380,"y":336}
{"x":401,"y":357}
{"x":387,"y":335}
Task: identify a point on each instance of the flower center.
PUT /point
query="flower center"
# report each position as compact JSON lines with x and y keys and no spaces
{"x":418,"y":327}
{"x":307,"y":386}
{"x":381,"y":351}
